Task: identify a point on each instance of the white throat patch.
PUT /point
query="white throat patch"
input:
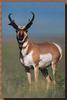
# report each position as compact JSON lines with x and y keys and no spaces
{"x":24,"y":51}
{"x":25,"y":44}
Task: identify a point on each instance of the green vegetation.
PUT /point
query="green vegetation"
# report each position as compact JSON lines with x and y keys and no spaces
{"x":15,"y":84}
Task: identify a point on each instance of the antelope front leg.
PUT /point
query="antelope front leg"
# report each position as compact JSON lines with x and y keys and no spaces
{"x":36,"y":73}
{"x":28,"y":74}
{"x":29,"y":77}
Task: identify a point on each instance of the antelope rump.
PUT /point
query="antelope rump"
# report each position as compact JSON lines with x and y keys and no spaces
{"x":38,"y":55}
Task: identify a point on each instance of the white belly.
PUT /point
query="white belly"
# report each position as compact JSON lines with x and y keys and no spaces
{"x":45,"y":60}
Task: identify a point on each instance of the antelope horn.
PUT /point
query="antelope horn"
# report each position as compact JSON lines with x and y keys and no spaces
{"x":12,"y":22}
{"x":30,"y":22}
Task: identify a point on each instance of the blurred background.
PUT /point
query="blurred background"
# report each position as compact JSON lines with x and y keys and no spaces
{"x":49,"y":19}
{"x":49,"y":25}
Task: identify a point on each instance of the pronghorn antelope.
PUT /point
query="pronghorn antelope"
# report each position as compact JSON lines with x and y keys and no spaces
{"x":34,"y":54}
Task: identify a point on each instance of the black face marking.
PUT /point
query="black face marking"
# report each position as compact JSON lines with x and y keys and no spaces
{"x":21,"y":36}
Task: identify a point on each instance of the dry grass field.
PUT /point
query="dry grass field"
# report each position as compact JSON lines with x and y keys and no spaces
{"x":15,"y":84}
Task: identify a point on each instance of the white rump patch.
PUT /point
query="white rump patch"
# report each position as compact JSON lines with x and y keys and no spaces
{"x":45,"y":60}
{"x":59,"y":48}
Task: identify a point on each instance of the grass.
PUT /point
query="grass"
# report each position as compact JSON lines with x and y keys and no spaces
{"x":15,"y":84}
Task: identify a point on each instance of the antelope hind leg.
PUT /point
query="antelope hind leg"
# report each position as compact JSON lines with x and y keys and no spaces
{"x":54,"y":72}
{"x":45,"y":73}
{"x":36,"y":73}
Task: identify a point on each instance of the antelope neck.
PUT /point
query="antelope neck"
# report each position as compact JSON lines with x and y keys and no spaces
{"x":23,"y":45}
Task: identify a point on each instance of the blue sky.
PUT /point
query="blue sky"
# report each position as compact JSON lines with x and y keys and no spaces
{"x":49,"y":18}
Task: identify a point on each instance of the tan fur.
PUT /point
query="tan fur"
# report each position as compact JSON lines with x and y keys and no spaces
{"x":38,"y":49}
{"x":44,"y":48}
{"x":35,"y":50}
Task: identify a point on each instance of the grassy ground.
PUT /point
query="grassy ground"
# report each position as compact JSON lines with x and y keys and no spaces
{"x":15,"y":84}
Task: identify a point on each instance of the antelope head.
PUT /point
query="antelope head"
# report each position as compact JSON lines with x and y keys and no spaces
{"x":21,"y":32}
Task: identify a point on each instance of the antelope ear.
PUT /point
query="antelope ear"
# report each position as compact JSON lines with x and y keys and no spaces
{"x":25,"y":30}
{"x":17,"y":30}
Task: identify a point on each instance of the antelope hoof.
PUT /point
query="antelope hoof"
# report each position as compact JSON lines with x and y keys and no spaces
{"x":49,"y":80}
{"x":54,"y":82}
